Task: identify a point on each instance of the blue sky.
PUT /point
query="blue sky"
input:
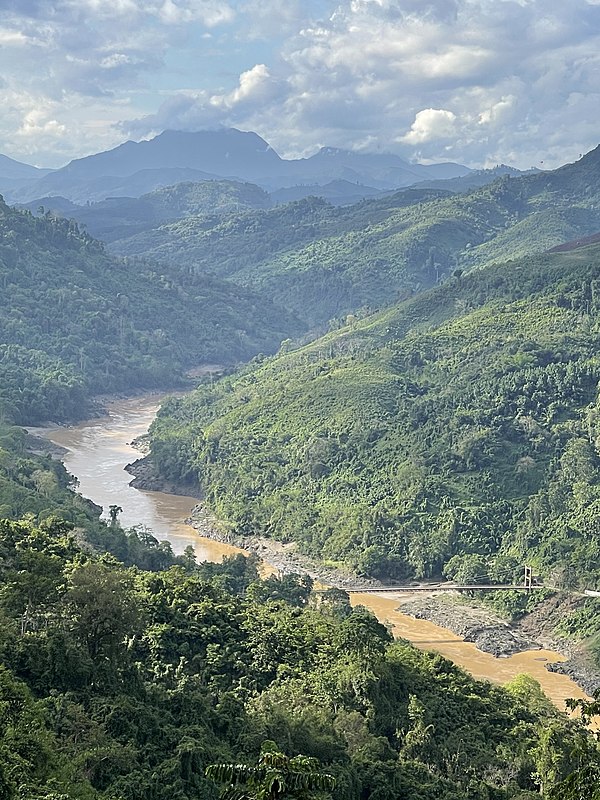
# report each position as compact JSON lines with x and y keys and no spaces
{"x":475,"y":81}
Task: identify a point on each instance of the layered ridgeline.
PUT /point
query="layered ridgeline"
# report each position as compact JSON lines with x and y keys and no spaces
{"x":456,"y":434}
{"x":320,"y":261}
{"x":122,"y":217}
{"x":134,"y":168}
{"x":119,"y":683}
{"x":76,"y":321}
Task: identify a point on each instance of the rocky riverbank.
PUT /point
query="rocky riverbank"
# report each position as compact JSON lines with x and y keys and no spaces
{"x":488,"y":631}
{"x":146,"y":478}
{"x":492,"y":634}
{"x":282,"y":557}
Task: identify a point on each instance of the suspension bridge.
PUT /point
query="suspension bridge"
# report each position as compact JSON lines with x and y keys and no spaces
{"x":529,"y":584}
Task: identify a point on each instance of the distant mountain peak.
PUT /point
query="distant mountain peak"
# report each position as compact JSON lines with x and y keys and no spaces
{"x":333,"y":151}
{"x":223,"y":153}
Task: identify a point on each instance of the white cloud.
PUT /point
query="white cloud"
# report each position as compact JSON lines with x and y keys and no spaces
{"x":175,"y":12}
{"x":255,"y":86}
{"x":431,"y":124}
{"x":469,"y":80}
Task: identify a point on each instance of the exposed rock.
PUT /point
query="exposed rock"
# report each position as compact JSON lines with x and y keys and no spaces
{"x":147,"y":478}
{"x":580,"y":669}
{"x":284,"y":557}
{"x":488,"y":632}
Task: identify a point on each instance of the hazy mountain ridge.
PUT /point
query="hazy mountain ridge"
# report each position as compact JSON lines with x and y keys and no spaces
{"x":119,"y":217}
{"x":15,"y":174}
{"x":321,"y":262}
{"x":134,"y":168}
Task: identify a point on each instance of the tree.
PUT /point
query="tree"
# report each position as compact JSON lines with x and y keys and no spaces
{"x":102,"y":609}
{"x":276,"y":776}
{"x":113,"y":513}
{"x":583,"y":783}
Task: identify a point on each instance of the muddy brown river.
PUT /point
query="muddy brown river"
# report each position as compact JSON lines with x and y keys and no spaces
{"x":97,"y":452}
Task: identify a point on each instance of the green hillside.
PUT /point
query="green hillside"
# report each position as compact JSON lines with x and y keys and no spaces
{"x":76,"y":321}
{"x":457,"y":434}
{"x":121,"y":217}
{"x":321,"y":262}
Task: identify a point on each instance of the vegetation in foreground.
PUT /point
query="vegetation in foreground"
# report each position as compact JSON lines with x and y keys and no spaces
{"x":122,"y":683}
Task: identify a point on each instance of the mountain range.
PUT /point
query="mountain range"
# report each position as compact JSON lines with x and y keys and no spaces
{"x":135,"y":168}
{"x":322,"y":262}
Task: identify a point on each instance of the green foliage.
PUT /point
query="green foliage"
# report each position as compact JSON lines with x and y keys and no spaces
{"x":322,"y":262}
{"x":456,"y":434}
{"x":275,"y":776}
{"x":123,"y":217}
{"x":583,"y":783}
{"x":75,"y":321}
{"x":119,"y":683}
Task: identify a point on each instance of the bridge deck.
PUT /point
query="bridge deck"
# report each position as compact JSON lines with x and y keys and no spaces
{"x":445,"y":588}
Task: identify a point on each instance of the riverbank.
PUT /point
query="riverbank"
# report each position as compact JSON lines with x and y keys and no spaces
{"x":147,"y":479}
{"x":97,"y":454}
{"x":282,"y":557}
{"x":492,"y":634}
{"x":488,"y":632}
{"x":474,"y":623}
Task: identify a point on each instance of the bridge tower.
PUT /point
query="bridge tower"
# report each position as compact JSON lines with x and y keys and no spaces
{"x":528,"y":577}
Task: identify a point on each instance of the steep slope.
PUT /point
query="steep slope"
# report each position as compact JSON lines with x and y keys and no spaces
{"x":455,"y":434}
{"x":226,"y":153}
{"x":321,"y":262}
{"x":94,"y":190}
{"x":76,"y":321}
{"x":14,"y":174}
{"x":312,"y":258}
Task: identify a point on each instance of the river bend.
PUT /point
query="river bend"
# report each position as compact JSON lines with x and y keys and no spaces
{"x":97,"y":452}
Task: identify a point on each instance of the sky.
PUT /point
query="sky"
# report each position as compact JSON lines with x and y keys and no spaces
{"x":480,"y":82}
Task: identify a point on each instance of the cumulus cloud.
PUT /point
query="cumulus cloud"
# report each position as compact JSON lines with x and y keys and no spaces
{"x":431,"y":124}
{"x":196,"y":110}
{"x":88,"y":59}
{"x":478,"y":81}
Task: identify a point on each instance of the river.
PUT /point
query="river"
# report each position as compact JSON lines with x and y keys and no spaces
{"x":98,"y":450}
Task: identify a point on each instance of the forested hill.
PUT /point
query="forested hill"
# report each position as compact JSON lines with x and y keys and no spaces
{"x":457,"y":434}
{"x":76,"y":321}
{"x":122,"y":217}
{"x":322,"y":262}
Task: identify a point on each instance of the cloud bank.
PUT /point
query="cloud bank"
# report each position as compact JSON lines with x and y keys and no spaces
{"x":477,"y":81}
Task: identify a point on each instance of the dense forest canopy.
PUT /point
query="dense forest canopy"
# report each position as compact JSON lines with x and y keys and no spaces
{"x":75,"y":321}
{"x":122,"y":683}
{"x":320,"y":262}
{"x":455,"y":434}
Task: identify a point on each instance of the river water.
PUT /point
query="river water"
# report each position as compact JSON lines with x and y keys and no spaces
{"x":98,"y":450}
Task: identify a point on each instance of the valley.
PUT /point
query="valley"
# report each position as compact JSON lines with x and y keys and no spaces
{"x":98,"y":450}
{"x":408,"y":392}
